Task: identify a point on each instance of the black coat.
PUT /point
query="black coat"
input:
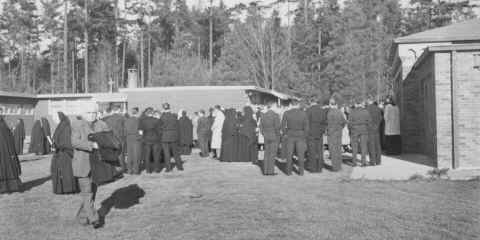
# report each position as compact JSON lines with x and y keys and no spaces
{"x":109,"y":146}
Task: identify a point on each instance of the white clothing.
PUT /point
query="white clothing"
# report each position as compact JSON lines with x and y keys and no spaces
{"x":392,"y":120}
{"x":217,"y":130}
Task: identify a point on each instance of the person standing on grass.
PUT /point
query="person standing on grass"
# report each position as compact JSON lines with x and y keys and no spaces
{"x":203,"y":131}
{"x":211,"y":119}
{"x":133,"y":141}
{"x":229,"y":141}
{"x":374,"y":145}
{"x":335,"y":124}
{"x":393,"y":140}
{"x":19,"y":136}
{"x":10,"y":168}
{"x":216,"y":128}
{"x":195,"y":127}
{"x":247,"y":141}
{"x":186,"y":134}
{"x":149,"y":129}
{"x":270,"y":129}
{"x":170,"y":136}
{"x":63,"y":179}
{"x":359,"y":122}
{"x":116,"y":121}
{"x":81,"y":167}
{"x":317,"y":119}
{"x":295,"y":127}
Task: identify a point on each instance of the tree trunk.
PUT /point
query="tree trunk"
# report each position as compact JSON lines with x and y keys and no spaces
{"x":86,"y":48}
{"x":22,"y":67}
{"x":142,"y":63}
{"x":59,"y":64}
{"x":148,"y":59}
{"x":52,"y":80}
{"x":74,"y":82}
{"x":123,"y":63}
{"x":210,"y":45}
{"x":116,"y":67}
{"x":272,"y":61}
{"x":65,"y":48}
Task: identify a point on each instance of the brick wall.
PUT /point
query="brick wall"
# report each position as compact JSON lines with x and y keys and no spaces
{"x":443,"y":101}
{"x":418,"y":111}
{"x":468,"y":111}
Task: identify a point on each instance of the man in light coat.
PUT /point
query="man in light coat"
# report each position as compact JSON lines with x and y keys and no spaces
{"x":217,"y":130}
{"x":81,"y":168}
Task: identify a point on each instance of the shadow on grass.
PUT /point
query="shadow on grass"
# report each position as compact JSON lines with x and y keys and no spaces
{"x":27,"y":186}
{"x":121,"y":198}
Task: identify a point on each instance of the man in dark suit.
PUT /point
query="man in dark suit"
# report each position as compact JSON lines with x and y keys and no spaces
{"x":203,"y":131}
{"x":359,"y":122}
{"x":116,"y":122}
{"x":170,"y":136}
{"x":317,"y":119}
{"x":374,"y":145}
{"x":149,"y":129}
{"x":295,"y":126}
{"x":133,"y":142}
{"x":270,"y":129}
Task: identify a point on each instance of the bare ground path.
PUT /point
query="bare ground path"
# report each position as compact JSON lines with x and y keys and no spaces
{"x":213,"y":200}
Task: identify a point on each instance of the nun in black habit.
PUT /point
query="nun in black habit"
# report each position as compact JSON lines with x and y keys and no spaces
{"x":19,"y":136}
{"x":37,"y":139}
{"x":186,"y":134}
{"x":10,"y":169}
{"x":247,"y":145}
{"x":229,"y":137}
{"x":61,"y":168}
{"x":48,"y":135}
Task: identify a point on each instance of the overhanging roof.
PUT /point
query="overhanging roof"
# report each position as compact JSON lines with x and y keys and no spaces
{"x":279,"y":95}
{"x":16,"y":95}
{"x":462,"y":31}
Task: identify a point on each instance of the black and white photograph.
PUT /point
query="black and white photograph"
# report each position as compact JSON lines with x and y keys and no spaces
{"x":239,"y":119}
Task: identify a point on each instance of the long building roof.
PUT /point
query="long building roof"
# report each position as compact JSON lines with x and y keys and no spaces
{"x":463,"y":31}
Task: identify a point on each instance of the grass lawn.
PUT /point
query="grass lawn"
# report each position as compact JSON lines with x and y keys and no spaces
{"x":213,"y":200}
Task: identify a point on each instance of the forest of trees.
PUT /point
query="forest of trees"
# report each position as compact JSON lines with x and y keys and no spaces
{"x":324,"y":49}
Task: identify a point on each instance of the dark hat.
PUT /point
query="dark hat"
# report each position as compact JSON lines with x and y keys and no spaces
{"x":166,"y":106}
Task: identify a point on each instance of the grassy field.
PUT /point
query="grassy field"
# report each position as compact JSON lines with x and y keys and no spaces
{"x":213,"y":200}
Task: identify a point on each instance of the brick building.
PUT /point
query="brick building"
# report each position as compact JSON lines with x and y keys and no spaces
{"x":437,"y":87}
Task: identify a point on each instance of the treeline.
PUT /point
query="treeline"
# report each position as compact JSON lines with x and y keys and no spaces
{"x":318,"y":49}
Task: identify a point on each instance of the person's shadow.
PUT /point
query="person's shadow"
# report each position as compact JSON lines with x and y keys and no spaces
{"x":122,"y":198}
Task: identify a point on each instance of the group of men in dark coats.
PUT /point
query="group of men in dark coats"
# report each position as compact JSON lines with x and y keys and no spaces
{"x":302,"y":129}
{"x":162,"y":139}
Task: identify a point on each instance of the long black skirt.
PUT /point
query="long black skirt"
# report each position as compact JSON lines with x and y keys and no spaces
{"x":247,"y":150}
{"x":229,"y":149}
{"x":393,"y":144}
{"x":62,"y":174}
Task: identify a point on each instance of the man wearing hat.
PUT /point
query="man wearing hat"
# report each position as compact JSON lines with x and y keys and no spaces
{"x":170,"y":137}
{"x":82,"y":148}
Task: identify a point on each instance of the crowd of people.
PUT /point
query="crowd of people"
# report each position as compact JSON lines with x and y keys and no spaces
{"x":95,"y":148}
